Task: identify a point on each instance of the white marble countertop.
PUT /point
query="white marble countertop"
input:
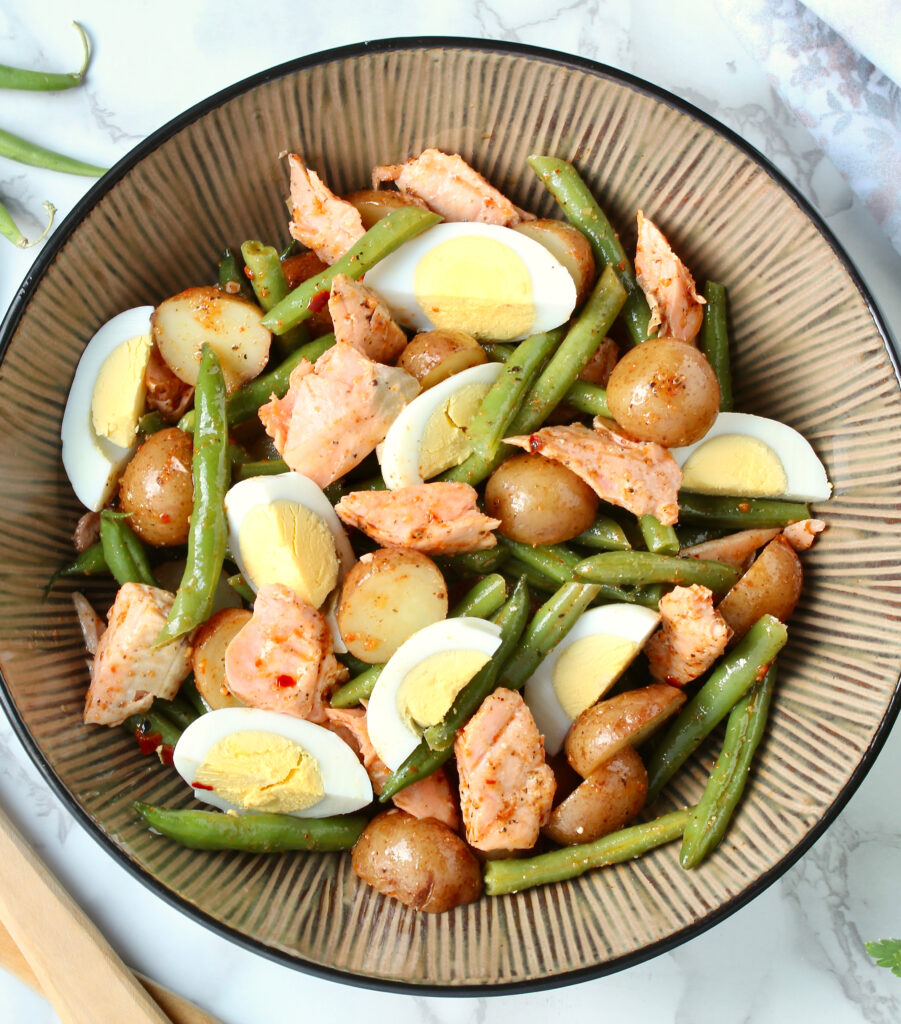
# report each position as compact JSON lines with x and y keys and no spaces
{"x":796,"y":952}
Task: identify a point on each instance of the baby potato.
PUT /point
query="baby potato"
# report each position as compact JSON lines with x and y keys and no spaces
{"x":568,"y":246}
{"x":539,"y":501}
{"x":418,"y":861}
{"x":433,"y":356}
{"x":771,"y":586}
{"x":208,"y":656}
{"x":665,"y":391}
{"x":157,"y":488}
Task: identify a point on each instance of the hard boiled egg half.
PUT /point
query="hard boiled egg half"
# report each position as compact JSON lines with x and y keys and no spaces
{"x":420,"y":681}
{"x":583,"y":667}
{"x":247,"y":759}
{"x":490,"y":281}
{"x":429,"y":435}
{"x":106,"y":400}
{"x":753,"y":457}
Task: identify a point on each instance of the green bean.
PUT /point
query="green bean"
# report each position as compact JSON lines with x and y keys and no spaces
{"x":291,"y":249}
{"x":267,"y":278}
{"x":580,"y":207}
{"x":498,"y":352}
{"x":587,"y":398}
{"x":482,"y":600}
{"x":334,"y":491}
{"x":709,"y":820}
{"x":89,"y":563}
{"x":253,"y":833}
{"x":555,"y":561}
{"x":658,"y":539}
{"x":698,"y":533}
{"x":232,"y":280}
{"x":9,"y":229}
{"x":351,"y":661}
{"x":715,"y":340}
{"x":478,"y":562}
{"x":379,"y":241}
{"x":208,"y":532}
{"x":242,"y":588}
{"x":739,"y":513}
{"x":514,"y":569}
{"x":729,"y":681}
{"x":150,"y":723}
{"x":150,"y":423}
{"x":604,"y":534}
{"x":649,"y":594}
{"x":513,"y":875}
{"x":14,"y":147}
{"x":638,"y":567}
{"x":191,"y":694}
{"x":179,"y":711}
{"x":122,"y":551}
{"x":43,"y":81}
{"x":372,"y":483}
{"x":266,"y":467}
{"x":359,"y":688}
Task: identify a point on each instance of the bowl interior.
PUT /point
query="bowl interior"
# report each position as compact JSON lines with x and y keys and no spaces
{"x":807,"y":350}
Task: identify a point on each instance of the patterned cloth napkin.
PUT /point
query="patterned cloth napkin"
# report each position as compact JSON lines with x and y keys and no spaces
{"x":837,"y":65}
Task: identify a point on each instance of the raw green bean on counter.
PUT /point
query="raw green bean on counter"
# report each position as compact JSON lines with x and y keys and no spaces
{"x":359,"y":688}
{"x":658,"y":539}
{"x":267,"y":278}
{"x":9,"y":229}
{"x":739,"y":513}
{"x":604,"y":534}
{"x":709,"y":820}
{"x":123,"y":553}
{"x":265,"y":467}
{"x":231,"y":276}
{"x":715,"y":340}
{"x":43,"y":81}
{"x":581,"y":209}
{"x":208,"y":532}
{"x":242,"y":588}
{"x":483,"y":599}
{"x":253,"y":833}
{"x":379,"y":241}
{"x":730,"y":680}
{"x":555,"y":561}
{"x":507,"y":876}
{"x":14,"y":147}
{"x":637,"y":567}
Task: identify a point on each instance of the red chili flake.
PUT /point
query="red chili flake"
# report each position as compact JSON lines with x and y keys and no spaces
{"x":535,"y":443}
{"x":165,"y":517}
{"x":147,"y":741}
{"x":319,"y":302}
{"x":761,"y":672}
{"x":286,"y":680}
{"x":167,"y":752}
{"x":201,"y":785}
{"x":621,"y":266}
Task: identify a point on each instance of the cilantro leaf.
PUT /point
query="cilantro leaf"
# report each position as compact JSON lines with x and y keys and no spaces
{"x":886,"y":953}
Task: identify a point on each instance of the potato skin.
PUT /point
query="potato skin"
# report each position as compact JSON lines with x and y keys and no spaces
{"x":373,"y":204}
{"x":433,"y":356}
{"x":568,"y":246}
{"x":665,"y":391}
{"x":418,"y":861}
{"x":539,"y":501}
{"x":607,"y":800}
{"x":157,"y":488}
{"x":208,"y":656}
{"x":771,"y":586}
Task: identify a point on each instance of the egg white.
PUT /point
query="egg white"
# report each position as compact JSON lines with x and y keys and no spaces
{"x":344,"y":780}
{"x":630,"y":621}
{"x":392,"y":738}
{"x":93,"y":463}
{"x":805,"y":474}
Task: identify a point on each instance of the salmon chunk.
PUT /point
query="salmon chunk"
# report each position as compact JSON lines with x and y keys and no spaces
{"x":640,"y":476}
{"x":129,"y":670}
{"x":436,"y":518}
{"x":802,"y":535}
{"x":336,"y":412}
{"x":449,"y":186}
{"x":676,"y":308}
{"x":166,"y":393}
{"x":282,"y":660}
{"x":319,"y":219}
{"x":734,"y":549}
{"x":506,"y":788}
{"x":361,"y":319}
{"x":691,"y":637}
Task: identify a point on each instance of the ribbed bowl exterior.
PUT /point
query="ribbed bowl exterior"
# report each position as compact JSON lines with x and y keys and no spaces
{"x":807,"y":350}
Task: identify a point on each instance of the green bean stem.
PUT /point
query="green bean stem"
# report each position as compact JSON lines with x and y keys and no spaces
{"x":253,"y":833}
{"x":715,"y":340}
{"x":637,"y":567}
{"x":267,"y":278}
{"x":735,"y":674}
{"x":581,"y":209}
{"x":658,"y":539}
{"x":482,"y":600}
{"x":739,"y":513}
{"x":507,"y":876}
{"x":122,"y":551}
{"x":709,"y":820}
{"x":14,"y":147}
{"x":379,"y":241}
{"x":604,"y":534}
{"x":9,"y":229}
{"x":43,"y":81}
{"x":91,"y":562}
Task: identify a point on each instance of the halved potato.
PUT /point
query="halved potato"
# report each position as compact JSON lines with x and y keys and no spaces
{"x":771,"y":586}
{"x":208,"y":658}
{"x":433,"y":356}
{"x":229,"y":324}
{"x":568,"y":246}
{"x":373,"y":204}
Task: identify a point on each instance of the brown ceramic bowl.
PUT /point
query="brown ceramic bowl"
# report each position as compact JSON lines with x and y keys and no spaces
{"x":809,"y":349}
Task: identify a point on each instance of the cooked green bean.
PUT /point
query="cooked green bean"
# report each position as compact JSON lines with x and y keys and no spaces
{"x":150,"y":723}
{"x":90,"y":562}
{"x":739,"y":513}
{"x":208,"y":531}
{"x":729,"y":681}
{"x":581,"y":209}
{"x":697,"y":533}
{"x":150,"y":423}
{"x":9,"y":229}
{"x":482,"y":600}
{"x":715,"y":340}
{"x":555,"y":561}
{"x":352,"y":662}
{"x":359,"y":688}
{"x":587,"y":398}
{"x":381,"y":239}
{"x":122,"y":551}
{"x":179,"y":711}
{"x":498,"y":352}
{"x":267,"y":278}
{"x":478,"y":562}
{"x":334,"y":491}
{"x":514,"y":570}
{"x":265,"y":467}
{"x":44,"y":81}
{"x":14,"y":147}
{"x":253,"y":833}
{"x":188,"y":690}
{"x":709,"y":820}
{"x":637,"y":567}
{"x":231,"y":276}
{"x":659,"y":539}
{"x":604,"y":534}
{"x":372,"y":483}
{"x":242,"y":588}
{"x":513,"y":875}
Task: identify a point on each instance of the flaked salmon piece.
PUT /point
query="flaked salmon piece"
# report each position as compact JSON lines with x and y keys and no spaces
{"x":676,"y":307}
{"x":92,"y":625}
{"x":282,"y":660}
{"x":361,"y":319}
{"x":129,"y":670}
{"x":439,"y":518}
{"x":506,"y":788}
{"x":692,"y":635}
{"x":336,"y":412}
{"x":431,"y":797}
{"x":166,"y":393}
{"x":319,"y":219}
{"x":801,"y":535}
{"x":598,"y":369}
{"x":734,"y":549}
{"x":640,"y":476}
{"x":449,"y":186}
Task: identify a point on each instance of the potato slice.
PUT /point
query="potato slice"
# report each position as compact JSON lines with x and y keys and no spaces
{"x":208,"y":659}
{"x":387,"y":597}
{"x":229,"y":324}
{"x":433,"y":356}
{"x":604,"y":729}
{"x":771,"y":586}
{"x":568,"y":246}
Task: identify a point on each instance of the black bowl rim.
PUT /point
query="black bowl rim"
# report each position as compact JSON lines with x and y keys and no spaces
{"x":20,"y":303}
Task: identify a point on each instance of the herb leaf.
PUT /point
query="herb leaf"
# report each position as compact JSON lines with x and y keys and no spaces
{"x":886,"y":953}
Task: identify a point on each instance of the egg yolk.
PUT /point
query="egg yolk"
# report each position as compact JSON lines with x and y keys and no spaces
{"x":284,"y":542}
{"x":117,"y":400}
{"x":262,"y":771}
{"x":444,"y":440}
{"x":428,"y":690}
{"x":477,"y":285}
{"x":735,"y":464}
{"x":588,"y":668}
